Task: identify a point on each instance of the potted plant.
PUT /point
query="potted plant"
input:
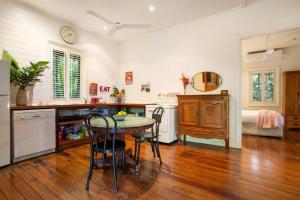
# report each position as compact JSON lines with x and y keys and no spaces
{"x":118,"y":94}
{"x":23,"y":77}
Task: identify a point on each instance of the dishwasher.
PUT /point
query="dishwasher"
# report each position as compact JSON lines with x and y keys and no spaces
{"x":33,"y":133}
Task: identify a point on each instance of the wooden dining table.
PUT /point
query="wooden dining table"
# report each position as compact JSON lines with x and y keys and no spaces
{"x":130,"y":125}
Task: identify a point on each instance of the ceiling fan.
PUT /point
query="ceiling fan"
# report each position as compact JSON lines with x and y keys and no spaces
{"x":116,"y":25}
{"x":269,"y":52}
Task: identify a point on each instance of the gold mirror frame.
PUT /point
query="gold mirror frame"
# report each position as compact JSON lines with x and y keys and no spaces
{"x":206,"y":81}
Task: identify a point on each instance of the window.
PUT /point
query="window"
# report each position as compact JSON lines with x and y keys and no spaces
{"x":263,"y":87}
{"x":66,"y":73}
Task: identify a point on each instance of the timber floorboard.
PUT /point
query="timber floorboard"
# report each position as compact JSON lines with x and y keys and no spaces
{"x":265,"y":168}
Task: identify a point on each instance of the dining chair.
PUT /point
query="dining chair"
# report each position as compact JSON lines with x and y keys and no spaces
{"x":103,"y":141}
{"x":151,"y":137}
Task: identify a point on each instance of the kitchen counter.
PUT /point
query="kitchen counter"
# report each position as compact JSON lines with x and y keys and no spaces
{"x":63,"y":106}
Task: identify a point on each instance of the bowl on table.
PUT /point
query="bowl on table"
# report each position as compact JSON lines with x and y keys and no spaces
{"x":119,"y":117}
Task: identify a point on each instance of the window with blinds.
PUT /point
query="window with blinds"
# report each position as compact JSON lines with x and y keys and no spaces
{"x":66,"y":74}
{"x":74,"y":76}
{"x":59,"y":61}
{"x":262,"y":87}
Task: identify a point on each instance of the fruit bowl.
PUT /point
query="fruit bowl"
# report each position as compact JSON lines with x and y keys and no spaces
{"x":119,"y":118}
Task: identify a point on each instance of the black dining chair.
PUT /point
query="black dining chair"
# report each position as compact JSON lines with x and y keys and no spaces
{"x":151,"y":137}
{"x":103,"y":141}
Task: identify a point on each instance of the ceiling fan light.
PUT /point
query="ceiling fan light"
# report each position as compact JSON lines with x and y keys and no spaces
{"x":151,"y":8}
{"x":269,"y":52}
{"x":105,"y":28}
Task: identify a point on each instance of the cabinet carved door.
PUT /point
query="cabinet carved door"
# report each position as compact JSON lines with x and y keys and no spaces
{"x":290,"y":93}
{"x":189,"y":112}
{"x":213,"y":113}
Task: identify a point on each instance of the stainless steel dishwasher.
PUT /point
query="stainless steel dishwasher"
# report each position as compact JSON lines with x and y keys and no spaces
{"x":33,"y":133}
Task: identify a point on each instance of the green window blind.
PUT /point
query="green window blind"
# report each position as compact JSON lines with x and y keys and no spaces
{"x":74,"y":76}
{"x":59,"y":60}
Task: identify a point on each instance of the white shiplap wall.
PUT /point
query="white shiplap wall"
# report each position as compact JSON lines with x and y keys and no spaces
{"x":25,"y":33}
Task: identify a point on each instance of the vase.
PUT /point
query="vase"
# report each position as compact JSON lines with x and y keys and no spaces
{"x":184,"y":90}
{"x":119,"y":100}
{"x":21,"y":98}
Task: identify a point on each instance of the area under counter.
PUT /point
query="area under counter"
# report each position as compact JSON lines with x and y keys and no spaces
{"x":72,"y":115}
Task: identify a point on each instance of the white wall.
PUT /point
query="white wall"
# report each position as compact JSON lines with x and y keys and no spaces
{"x":212,"y":43}
{"x":25,"y":33}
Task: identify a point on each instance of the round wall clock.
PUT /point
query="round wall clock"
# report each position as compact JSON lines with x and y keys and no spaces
{"x":68,"y":34}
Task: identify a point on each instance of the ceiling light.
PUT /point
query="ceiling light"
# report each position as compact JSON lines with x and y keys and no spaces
{"x":105,"y":28}
{"x":151,"y":8}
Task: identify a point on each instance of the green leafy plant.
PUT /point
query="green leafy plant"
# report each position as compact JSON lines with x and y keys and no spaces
{"x":24,"y":76}
{"x":117,"y":93}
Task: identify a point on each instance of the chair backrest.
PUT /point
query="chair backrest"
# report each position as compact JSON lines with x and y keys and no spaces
{"x":157,"y":115}
{"x":104,"y":110}
{"x":97,"y":135}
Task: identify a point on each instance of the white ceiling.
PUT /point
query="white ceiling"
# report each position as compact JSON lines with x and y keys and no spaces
{"x":167,"y":12}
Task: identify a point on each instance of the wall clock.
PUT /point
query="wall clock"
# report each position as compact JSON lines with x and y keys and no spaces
{"x":68,"y":34}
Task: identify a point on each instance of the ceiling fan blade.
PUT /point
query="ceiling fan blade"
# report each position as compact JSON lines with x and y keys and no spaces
{"x":93,"y":13}
{"x":137,"y":26}
{"x":112,"y":31}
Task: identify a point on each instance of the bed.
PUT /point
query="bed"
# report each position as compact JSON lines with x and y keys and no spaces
{"x":249,"y":118}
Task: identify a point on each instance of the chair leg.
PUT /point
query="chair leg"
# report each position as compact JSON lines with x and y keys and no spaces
{"x":138,"y":152}
{"x":158,"y":152}
{"x":87,"y":186}
{"x":135,"y":148}
{"x":152,"y":147}
{"x":115,"y":169}
{"x":104,"y":160}
{"x":124,"y":162}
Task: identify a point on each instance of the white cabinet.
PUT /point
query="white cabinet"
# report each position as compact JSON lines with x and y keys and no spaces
{"x":33,"y":133}
{"x":168,"y":126}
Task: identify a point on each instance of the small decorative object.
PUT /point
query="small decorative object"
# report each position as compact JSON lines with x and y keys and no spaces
{"x":128,"y":78}
{"x":23,"y":77}
{"x":224,"y":92}
{"x":118,"y":94}
{"x":68,"y":34}
{"x":93,"y":88}
{"x":94,"y":100}
{"x":185,"y":81}
{"x":145,"y":87}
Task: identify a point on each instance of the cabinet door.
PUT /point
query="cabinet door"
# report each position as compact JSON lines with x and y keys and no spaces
{"x":189,"y":112}
{"x":290,"y":93}
{"x":213,"y":113}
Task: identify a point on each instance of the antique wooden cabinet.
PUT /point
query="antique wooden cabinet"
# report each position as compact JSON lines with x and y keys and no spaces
{"x":291,"y":100}
{"x":204,"y":116}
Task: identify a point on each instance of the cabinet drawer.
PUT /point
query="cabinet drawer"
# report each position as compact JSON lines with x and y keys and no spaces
{"x":293,"y":124}
{"x":202,"y":132}
{"x":293,"y":118}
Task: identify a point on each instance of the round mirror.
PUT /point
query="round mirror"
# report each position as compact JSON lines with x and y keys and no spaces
{"x":206,"y":81}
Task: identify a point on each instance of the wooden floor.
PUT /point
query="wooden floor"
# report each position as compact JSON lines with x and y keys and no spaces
{"x":266,"y":168}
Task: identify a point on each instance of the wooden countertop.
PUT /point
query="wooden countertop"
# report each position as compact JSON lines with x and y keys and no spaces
{"x":66,"y":106}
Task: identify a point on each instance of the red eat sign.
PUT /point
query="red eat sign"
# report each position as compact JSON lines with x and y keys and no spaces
{"x":104,"y":88}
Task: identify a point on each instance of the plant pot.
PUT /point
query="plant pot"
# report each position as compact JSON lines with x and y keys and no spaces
{"x":21,"y":98}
